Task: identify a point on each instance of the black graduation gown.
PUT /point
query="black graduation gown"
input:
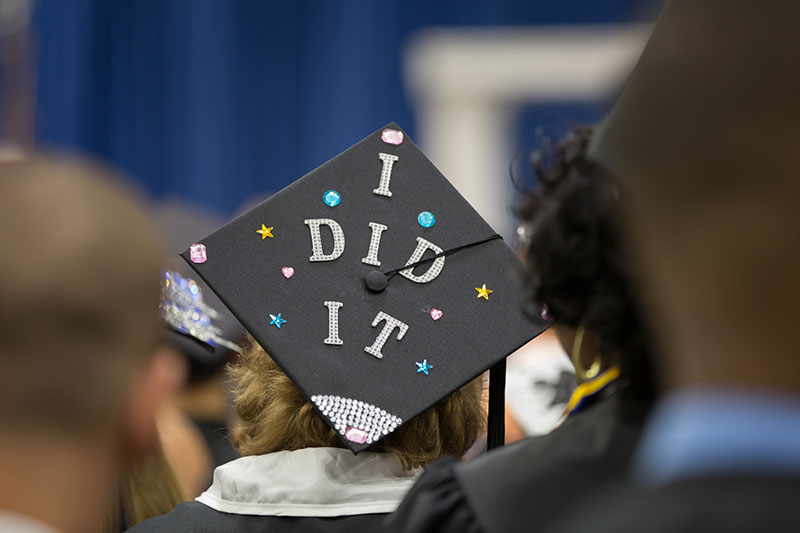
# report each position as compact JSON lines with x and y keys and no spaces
{"x":527,"y":485}
{"x":198,"y":518}
{"x":723,"y":504}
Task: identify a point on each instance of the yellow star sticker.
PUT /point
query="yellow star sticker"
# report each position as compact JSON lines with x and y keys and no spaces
{"x":483,"y":292}
{"x":265,"y":232}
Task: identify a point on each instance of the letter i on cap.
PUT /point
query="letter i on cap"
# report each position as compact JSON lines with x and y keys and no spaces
{"x":376,"y":240}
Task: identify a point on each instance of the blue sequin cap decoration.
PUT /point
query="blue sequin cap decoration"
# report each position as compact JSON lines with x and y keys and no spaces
{"x":332,"y":198}
{"x":426,"y":219}
{"x":182,"y":307}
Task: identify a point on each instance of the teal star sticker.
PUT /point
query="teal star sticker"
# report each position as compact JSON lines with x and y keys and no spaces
{"x":277,"y":320}
{"x":424,"y":367}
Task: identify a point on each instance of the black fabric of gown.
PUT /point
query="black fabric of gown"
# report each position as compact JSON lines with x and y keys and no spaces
{"x":195,"y":517}
{"x":527,"y":485}
{"x":724,"y":504}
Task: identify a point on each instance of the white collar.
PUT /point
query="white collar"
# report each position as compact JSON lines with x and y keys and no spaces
{"x":321,"y":482}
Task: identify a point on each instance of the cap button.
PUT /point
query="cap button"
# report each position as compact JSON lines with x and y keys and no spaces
{"x":376,"y":281}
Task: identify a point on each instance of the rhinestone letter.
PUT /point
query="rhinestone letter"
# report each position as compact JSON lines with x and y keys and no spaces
{"x":433,"y":270}
{"x":383,"y":336}
{"x":374,"y":244}
{"x":333,"y":323}
{"x":316,"y":240}
{"x":386,"y":174}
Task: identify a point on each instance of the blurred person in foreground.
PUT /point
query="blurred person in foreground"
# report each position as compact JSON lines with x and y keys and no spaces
{"x":82,"y":373}
{"x":705,"y":140}
{"x":155,"y":483}
{"x":579,"y":277}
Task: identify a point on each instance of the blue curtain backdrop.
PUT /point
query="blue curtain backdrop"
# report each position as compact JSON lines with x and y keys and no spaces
{"x":217,"y":101}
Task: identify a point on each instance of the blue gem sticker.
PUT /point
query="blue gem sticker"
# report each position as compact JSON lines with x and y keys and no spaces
{"x":277,"y":320}
{"x":332,"y":198}
{"x":426,"y":219}
{"x":423,"y":367}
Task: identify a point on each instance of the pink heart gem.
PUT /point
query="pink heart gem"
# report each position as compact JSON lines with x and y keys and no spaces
{"x":288,"y":272}
{"x":436,"y":314}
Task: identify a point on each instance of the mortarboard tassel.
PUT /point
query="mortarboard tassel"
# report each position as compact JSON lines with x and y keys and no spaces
{"x":496,"y":431}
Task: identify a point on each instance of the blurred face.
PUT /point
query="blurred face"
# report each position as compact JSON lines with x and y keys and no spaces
{"x":718,"y":253}
{"x":588,"y":347}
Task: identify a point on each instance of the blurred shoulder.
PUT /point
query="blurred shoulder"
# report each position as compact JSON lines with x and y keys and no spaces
{"x":523,"y":486}
{"x":721,"y":504}
{"x":186,"y":517}
{"x":196,"y":517}
{"x":435,"y":504}
{"x":594,"y":444}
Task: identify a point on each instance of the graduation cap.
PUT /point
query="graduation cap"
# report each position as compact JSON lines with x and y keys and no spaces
{"x":374,"y":285}
{"x":188,"y":316}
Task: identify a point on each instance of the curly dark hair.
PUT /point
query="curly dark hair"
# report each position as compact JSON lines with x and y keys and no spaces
{"x":576,"y":266}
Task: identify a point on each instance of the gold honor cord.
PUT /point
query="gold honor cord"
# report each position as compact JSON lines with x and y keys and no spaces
{"x":590,"y":388}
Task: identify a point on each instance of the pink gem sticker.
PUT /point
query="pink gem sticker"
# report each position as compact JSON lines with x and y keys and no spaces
{"x":436,"y":314}
{"x":392,"y":136}
{"x":197,"y":253}
{"x":356,"y":435}
{"x":288,"y":272}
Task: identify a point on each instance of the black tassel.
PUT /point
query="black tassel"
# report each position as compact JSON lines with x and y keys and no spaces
{"x":496,"y":433}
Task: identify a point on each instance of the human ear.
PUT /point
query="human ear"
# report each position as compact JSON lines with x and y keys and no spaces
{"x":162,"y":376}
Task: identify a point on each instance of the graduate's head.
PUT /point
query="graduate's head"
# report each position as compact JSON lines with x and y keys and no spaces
{"x":275,"y":416}
{"x":704,"y":141}
{"x":79,"y":295}
{"x":577,"y":270}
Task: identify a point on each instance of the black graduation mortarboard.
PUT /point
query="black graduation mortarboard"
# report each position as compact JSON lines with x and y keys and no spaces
{"x":316,"y":274}
{"x":185,"y":311}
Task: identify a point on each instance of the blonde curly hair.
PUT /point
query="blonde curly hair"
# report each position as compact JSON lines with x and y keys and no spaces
{"x":273,"y":415}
